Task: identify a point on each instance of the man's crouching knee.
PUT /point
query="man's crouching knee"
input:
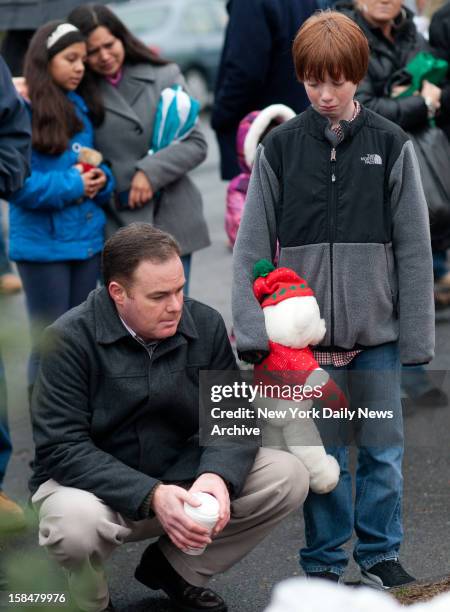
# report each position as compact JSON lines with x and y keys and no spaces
{"x":75,"y":527}
{"x":289,"y":477}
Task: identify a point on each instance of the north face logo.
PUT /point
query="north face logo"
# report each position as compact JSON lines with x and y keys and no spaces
{"x":372,"y":158}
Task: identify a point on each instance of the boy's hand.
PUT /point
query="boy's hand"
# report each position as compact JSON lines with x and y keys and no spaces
{"x":254,"y":357}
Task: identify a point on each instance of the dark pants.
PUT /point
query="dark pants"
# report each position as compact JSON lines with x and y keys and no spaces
{"x":439,"y":264}
{"x":186,"y":261}
{"x":51,"y":289}
{"x":5,"y":439}
{"x":5,"y":266}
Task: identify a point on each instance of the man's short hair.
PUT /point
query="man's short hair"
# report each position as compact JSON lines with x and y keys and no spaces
{"x":131,"y":245}
{"x":330,"y":43}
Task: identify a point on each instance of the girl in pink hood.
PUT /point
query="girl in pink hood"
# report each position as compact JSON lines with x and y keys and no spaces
{"x":251,"y":132}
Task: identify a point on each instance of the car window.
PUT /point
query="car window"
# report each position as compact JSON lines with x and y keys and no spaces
{"x":203,"y":17}
{"x":144,"y":19}
{"x":220,"y":13}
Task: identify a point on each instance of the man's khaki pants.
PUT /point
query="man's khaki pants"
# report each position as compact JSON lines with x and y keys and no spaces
{"x":81,"y":532}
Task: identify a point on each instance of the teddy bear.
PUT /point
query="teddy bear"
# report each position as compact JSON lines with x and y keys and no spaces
{"x":89,"y":158}
{"x":293,"y":323}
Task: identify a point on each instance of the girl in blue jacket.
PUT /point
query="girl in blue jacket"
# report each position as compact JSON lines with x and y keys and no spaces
{"x":56,"y":219}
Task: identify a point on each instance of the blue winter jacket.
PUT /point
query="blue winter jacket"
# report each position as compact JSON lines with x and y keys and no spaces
{"x":50,"y":218}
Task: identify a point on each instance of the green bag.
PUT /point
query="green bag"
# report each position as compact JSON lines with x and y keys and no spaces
{"x":424,"y":66}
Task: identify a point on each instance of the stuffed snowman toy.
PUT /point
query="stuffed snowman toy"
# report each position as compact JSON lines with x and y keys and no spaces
{"x":293,"y":323}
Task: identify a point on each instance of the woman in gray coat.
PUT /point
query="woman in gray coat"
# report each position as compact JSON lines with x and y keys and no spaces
{"x":153,"y":188}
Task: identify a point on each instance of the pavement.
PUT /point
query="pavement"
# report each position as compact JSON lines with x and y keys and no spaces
{"x":247,"y":586}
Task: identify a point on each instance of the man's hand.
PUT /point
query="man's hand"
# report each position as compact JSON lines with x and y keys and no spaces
{"x":141,"y":191}
{"x":215,"y":485}
{"x":167,"y":504}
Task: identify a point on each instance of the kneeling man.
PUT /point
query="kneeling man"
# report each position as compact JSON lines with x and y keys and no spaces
{"x":116,"y":424}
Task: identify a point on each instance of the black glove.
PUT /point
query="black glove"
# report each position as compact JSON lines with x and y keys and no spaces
{"x":254,"y":357}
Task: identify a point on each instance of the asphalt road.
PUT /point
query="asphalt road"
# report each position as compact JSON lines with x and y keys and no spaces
{"x":246,"y":587}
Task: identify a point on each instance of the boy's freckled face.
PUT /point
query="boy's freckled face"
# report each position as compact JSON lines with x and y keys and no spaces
{"x":332,"y":99}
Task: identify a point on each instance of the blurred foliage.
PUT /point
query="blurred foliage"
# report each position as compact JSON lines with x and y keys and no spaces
{"x":30,"y":571}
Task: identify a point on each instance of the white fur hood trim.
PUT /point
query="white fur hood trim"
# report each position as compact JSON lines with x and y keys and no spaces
{"x":273,"y":112}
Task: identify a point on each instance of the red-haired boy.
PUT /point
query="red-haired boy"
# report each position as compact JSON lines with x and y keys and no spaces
{"x":339,"y":188}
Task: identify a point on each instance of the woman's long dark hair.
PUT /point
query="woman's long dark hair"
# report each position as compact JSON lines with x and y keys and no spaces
{"x":54,"y":120}
{"x":88,"y":17}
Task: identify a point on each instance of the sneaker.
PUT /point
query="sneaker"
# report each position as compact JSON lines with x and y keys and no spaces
{"x":433,"y":398}
{"x":12,"y":517}
{"x":386,"y":575}
{"x":331,"y":576}
{"x":10,"y":283}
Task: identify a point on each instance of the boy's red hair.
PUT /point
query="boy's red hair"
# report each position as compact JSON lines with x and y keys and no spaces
{"x":330,"y":43}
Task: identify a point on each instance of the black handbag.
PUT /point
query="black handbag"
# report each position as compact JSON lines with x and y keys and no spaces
{"x":432,"y":148}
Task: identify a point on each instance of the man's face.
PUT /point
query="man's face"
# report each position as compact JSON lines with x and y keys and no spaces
{"x":153,"y":303}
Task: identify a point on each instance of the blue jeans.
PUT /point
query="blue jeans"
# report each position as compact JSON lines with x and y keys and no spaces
{"x":5,"y":439}
{"x":415,"y":381}
{"x":51,"y":289}
{"x":376,"y":517}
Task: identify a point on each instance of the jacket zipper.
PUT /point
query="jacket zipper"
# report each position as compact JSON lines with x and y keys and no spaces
{"x":331,"y":226}
{"x":150,"y":351}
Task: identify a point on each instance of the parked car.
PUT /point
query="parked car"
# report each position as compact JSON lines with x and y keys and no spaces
{"x":189,"y":32}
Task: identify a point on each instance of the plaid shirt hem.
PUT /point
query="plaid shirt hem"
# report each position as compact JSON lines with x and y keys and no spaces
{"x":338,"y":359}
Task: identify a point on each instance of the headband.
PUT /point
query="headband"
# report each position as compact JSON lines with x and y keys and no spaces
{"x":59,"y":32}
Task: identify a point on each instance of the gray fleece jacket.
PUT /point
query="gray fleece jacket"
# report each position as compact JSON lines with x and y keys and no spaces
{"x":351,"y":219}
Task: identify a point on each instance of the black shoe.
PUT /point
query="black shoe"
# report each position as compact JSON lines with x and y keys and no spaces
{"x":331,"y":576}
{"x":386,"y":575}
{"x":433,"y":398}
{"x":156,"y":572}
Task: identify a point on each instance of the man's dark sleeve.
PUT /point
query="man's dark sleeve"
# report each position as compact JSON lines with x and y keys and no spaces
{"x":409,"y":113}
{"x":15,"y":136}
{"x":244,"y":64}
{"x":232,"y":460}
{"x":439,"y":34}
{"x":62,"y":417}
